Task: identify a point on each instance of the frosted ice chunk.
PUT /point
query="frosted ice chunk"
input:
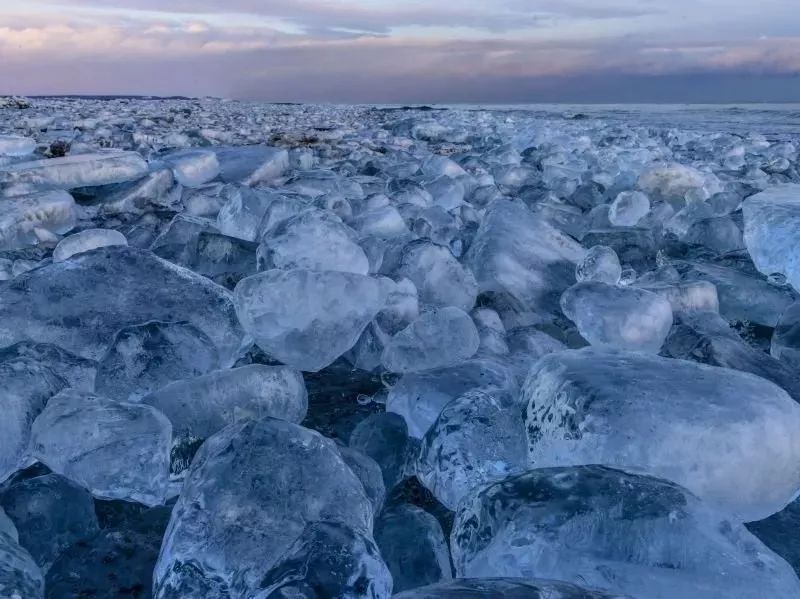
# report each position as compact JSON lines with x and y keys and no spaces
{"x":600,"y":263}
{"x":31,"y":219}
{"x":193,"y":168}
{"x":16,"y":145}
{"x":670,"y":418}
{"x":69,"y":172}
{"x":154,"y":191}
{"x":518,"y":254}
{"x":116,"y":450}
{"x":671,"y":182}
{"x":81,"y":303}
{"x":78,"y":372}
{"x":382,"y":222}
{"x":314,"y":240}
{"x":50,"y":513}
{"x":251,"y":165}
{"x":414,"y":546}
{"x":199,"y":407}
{"x":785,"y":344}
{"x":437,"y":339}
{"x":20,"y":577}
{"x":384,"y":438}
{"x":328,"y":560}
{"x":86,"y":241}
{"x":478,"y":438}
{"x":369,"y":473}
{"x":622,"y":532}
{"x":505,"y":588}
{"x":440,"y":279}
{"x":621,"y":317}
{"x":772,"y":231}
{"x":628,"y":209}
{"x":307,"y":319}
{"x":246,"y":212}
{"x":719,"y":234}
{"x":250,"y":492}
{"x":491,"y":330}
{"x":691,"y":296}
{"x":145,"y":357}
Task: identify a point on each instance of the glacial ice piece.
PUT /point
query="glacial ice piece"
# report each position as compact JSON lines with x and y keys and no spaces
{"x":440,"y":279}
{"x":384,"y":438}
{"x":85,"y":241}
{"x":670,"y":418}
{"x":251,"y":165}
{"x":178,"y":241}
{"x":382,"y":222}
{"x":246,"y":212}
{"x":419,"y":397}
{"x":50,"y":513}
{"x":671,"y":182}
{"x":143,"y":358}
{"x":772,"y":231}
{"x":369,"y":473}
{"x":437,"y":339}
{"x":31,"y":219}
{"x":193,"y":168}
{"x":26,"y":387}
{"x":719,"y":234}
{"x":156,"y":190}
{"x":491,"y":331}
{"x":116,"y":450}
{"x":20,"y":577}
{"x":201,"y":406}
{"x":328,"y":560}
{"x":70,"y":172}
{"x":622,"y":317}
{"x":7,"y":526}
{"x":414,"y":546}
{"x":78,"y":373}
{"x":478,"y":438}
{"x":636,"y":247}
{"x":628,"y":209}
{"x":16,"y":145}
{"x":785,"y":344}
{"x":518,"y":254}
{"x":622,"y":532}
{"x":599,"y":264}
{"x":315,"y":240}
{"x":250,"y":492}
{"x":505,"y":588}
{"x":81,"y":303}
{"x":691,"y":296}
{"x":307,"y":319}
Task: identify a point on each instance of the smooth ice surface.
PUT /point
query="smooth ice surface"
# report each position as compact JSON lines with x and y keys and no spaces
{"x":78,"y":372}
{"x":785,"y":345}
{"x":116,"y":450}
{"x":505,"y":588}
{"x":671,"y":182}
{"x":86,"y":241}
{"x":384,"y":438}
{"x":36,"y":218}
{"x":20,"y":577}
{"x":772,"y":231}
{"x":249,"y":494}
{"x":192,"y":168}
{"x":601,"y":264}
{"x":80,"y":304}
{"x":16,"y":145}
{"x":605,"y":528}
{"x":440,"y":279}
{"x":251,"y":165}
{"x":616,"y":316}
{"x":307,"y":319}
{"x":670,"y":418}
{"x":628,"y":209}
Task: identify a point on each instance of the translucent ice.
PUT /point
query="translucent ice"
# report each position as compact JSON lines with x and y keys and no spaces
{"x":628,"y":209}
{"x":719,"y":234}
{"x":505,"y":588}
{"x":251,"y":165}
{"x":78,"y":372}
{"x":245,"y":211}
{"x":116,"y":450}
{"x":86,"y":241}
{"x":622,"y":317}
{"x":192,"y":168}
{"x":31,"y":219}
{"x":15,"y":145}
{"x":609,"y":529}
{"x":20,"y":577}
{"x":307,"y":319}
{"x":599,"y":264}
{"x":785,"y":344}
{"x":671,"y":183}
{"x":250,"y":492}
{"x":368,"y":472}
{"x":440,"y":279}
{"x":384,"y":438}
{"x":671,"y":418}
{"x":156,"y":190}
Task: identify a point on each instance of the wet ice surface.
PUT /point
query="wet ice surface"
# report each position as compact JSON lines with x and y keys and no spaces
{"x":273,"y":351}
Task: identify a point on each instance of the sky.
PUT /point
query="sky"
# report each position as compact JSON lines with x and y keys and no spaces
{"x":406,"y":51}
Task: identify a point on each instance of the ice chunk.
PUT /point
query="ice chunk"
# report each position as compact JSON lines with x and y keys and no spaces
{"x":478,"y":438}
{"x":314,"y":240}
{"x":244,"y":213}
{"x":199,"y":407}
{"x":628,"y":209}
{"x":720,"y":234}
{"x":193,"y":168}
{"x":599,"y":264}
{"x":328,"y":560}
{"x":78,"y":372}
{"x":671,"y":183}
{"x":86,"y":241}
{"x":368,"y":472}
{"x":384,"y":438}
{"x":670,"y":418}
{"x":785,"y":344}
{"x":7,"y":526}
{"x":145,"y":357}
{"x":518,"y":254}
{"x":622,"y":532}
{"x":50,"y":513}
{"x":31,"y":219}
{"x":154,"y":191}
{"x":692,"y":296}
{"x":440,"y":279}
{"x":81,"y":303}
{"x":437,"y":339}
{"x":505,"y":588}
{"x":116,"y":450}
{"x":414,"y":546}
{"x":20,"y":577}
{"x":251,"y":165}
{"x":250,"y":492}
{"x":307,"y":319}
{"x":26,"y":387}
{"x":16,"y":145}
{"x":621,"y":317}
{"x":69,"y":172}
{"x":772,"y":231}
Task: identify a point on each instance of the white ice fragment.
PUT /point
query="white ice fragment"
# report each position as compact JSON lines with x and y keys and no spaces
{"x":15,"y":145}
{"x":193,"y":168}
{"x":25,"y":220}
{"x":628,"y":209}
{"x":86,"y":241}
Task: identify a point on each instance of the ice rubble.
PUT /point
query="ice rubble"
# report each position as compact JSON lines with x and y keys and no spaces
{"x":194,"y":294}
